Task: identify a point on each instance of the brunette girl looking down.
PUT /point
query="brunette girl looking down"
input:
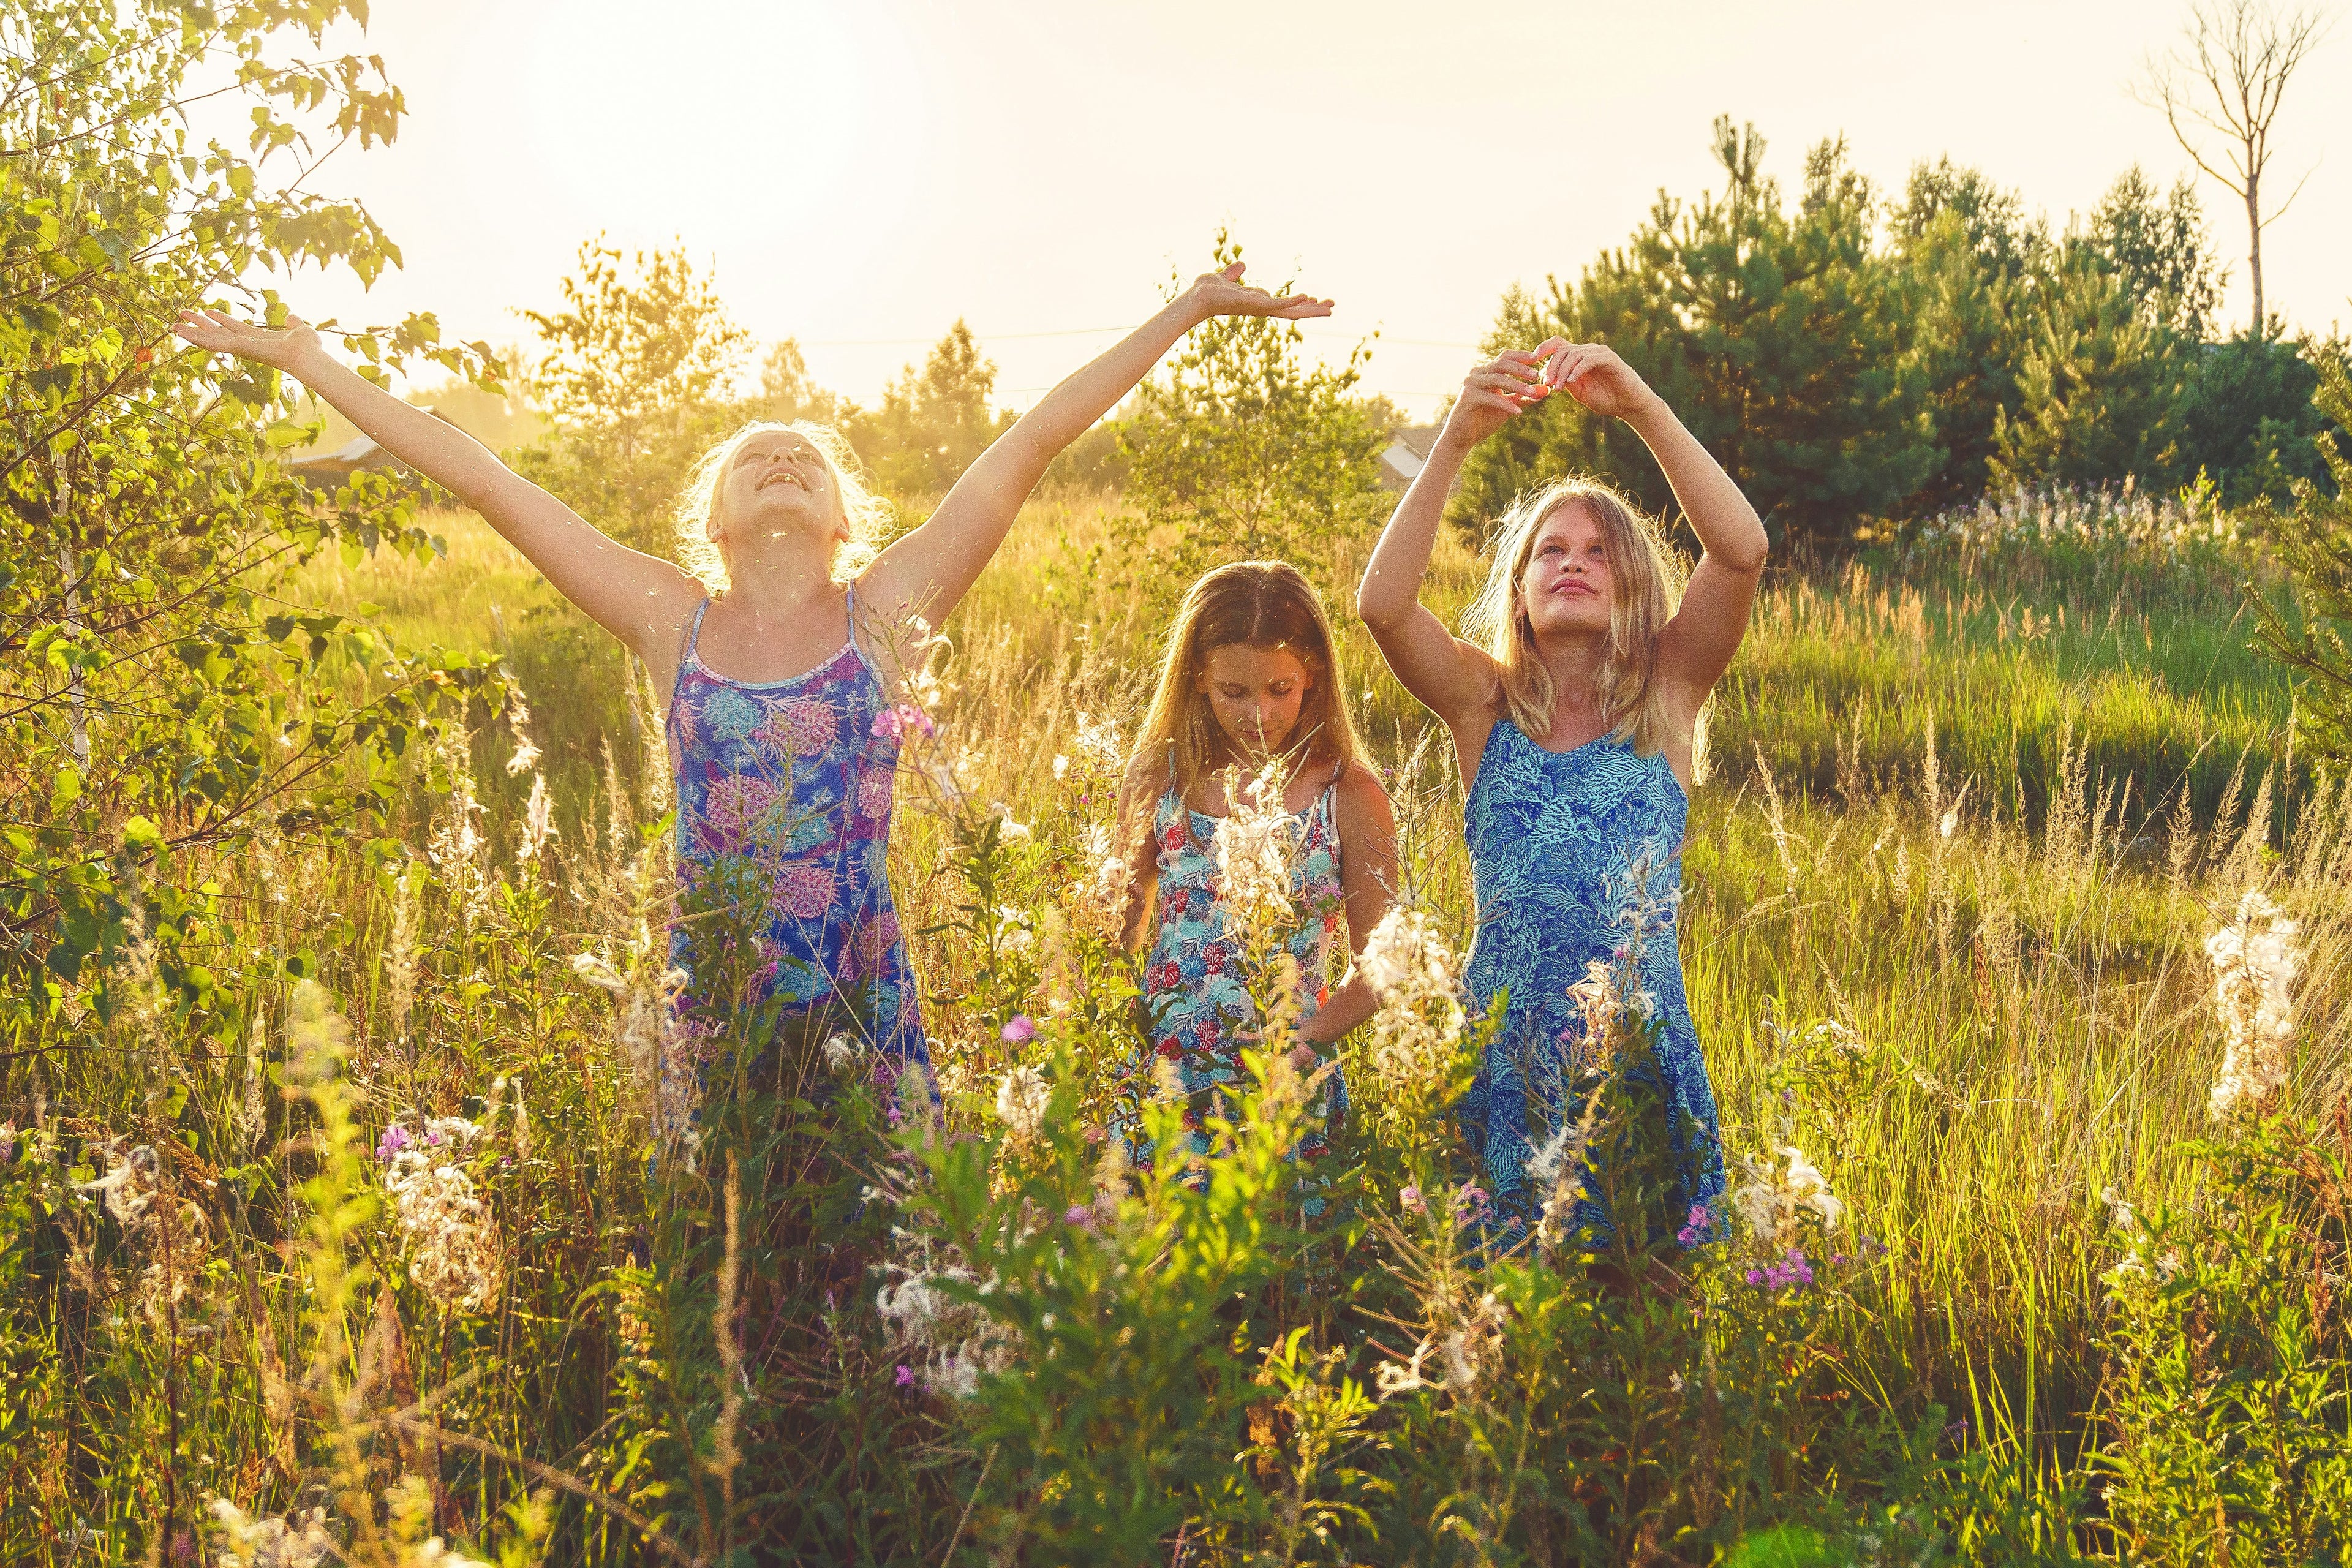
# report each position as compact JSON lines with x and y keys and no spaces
{"x":1249,"y":679}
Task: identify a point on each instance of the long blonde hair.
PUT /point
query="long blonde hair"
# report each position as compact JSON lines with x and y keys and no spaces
{"x":1646,"y":583}
{"x":860,"y":514}
{"x":1260,"y":604}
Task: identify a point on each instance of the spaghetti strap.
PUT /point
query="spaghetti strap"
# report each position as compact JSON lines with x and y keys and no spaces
{"x":693,"y":632}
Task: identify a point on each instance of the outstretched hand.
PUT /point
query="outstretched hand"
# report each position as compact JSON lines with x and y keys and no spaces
{"x":278,"y":347}
{"x":1222,"y":293}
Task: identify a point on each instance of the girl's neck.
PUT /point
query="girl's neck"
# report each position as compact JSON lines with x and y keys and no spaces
{"x":780,"y":593}
{"x":1573,"y":662}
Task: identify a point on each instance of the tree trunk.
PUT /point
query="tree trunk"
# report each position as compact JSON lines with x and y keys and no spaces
{"x":2254,"y":252}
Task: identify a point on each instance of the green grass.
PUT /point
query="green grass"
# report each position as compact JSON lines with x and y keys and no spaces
{"x":2022,"y":981}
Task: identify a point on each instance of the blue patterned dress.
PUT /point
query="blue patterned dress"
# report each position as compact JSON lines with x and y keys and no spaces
{"x":791,"y":782}
{"x":1553,"y":837}
{"x":1193,"y":978}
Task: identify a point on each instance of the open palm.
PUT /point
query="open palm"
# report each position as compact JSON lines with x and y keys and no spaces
{"x":221,"y":332}
{"x":1222,"y":293}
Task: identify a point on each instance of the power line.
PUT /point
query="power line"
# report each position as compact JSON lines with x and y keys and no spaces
{"x":1096,"y":332}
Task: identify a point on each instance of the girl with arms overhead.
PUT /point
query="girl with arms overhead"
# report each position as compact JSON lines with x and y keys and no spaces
{"x":779,"y":654}
{"x":1250,"y":678}
{"x":1573,"y":713}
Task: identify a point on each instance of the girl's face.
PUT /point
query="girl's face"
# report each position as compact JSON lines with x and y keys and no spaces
{"x":1566,"y":586}
{"x":776,"y":487}
{"x":1256,"y":694}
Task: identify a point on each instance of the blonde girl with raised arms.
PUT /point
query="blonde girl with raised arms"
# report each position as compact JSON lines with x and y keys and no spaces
{"x":1573,"y":699}
{"x":1250,"y":679}
{"x":779,"y":657}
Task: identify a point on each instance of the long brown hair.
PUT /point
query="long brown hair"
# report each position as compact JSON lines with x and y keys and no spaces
{"x":1259,"y":604}
{"x":1647,"y":582}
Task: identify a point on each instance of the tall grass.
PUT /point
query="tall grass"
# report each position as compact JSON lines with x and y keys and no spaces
{"x":1948,"y":888}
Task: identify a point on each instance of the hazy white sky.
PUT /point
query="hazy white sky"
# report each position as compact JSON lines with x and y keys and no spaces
{"x":863,"y":172}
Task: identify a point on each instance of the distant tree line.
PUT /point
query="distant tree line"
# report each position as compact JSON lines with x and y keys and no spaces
{"x":1857,"y":359}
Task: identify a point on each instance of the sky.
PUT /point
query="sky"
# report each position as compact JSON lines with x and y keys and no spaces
{"x":859,"y":174}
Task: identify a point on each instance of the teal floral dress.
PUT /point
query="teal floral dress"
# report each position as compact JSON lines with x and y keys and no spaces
{"x":791,"y":781}
{"x":1194,"y":987}
{"x":1556,"y":838}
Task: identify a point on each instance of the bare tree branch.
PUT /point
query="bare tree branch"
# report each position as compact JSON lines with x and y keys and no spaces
{"x":2241,"y":53}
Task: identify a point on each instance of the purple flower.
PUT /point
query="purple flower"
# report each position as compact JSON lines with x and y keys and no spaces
{"x":1018,"y":1030}
{"x":1410,"y":1200}
{"x":896,"y":721}
{"x":1701,"y":1225}
{"x":1470,"y":1203}
{"x":395,"y":1137}
{"x":1079,"y":1215}
{"x":906,"y":1375}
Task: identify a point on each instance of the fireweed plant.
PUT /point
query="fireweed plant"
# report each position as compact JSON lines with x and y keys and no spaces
{"x":499,"y":1241}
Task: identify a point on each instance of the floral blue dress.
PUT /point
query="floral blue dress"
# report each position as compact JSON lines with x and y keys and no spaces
{"x":1554,"y":839}
{"x":792,"y":781}
{"x":1194,"y":986}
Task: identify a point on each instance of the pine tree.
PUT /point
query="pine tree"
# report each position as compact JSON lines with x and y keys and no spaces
{"x":2099,"y":393}
{"x":1774,"y":335}
{"x":2315,"y":542}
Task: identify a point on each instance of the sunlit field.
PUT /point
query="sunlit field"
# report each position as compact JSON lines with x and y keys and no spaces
{"x":1948,"y":895}
{"x":460,"y":1106}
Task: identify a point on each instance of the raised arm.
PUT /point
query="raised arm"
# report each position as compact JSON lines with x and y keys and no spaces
{"x":1697,"y":645}
{"x":929,"y":571}
{"x":638,"y":598}
{"x":1451,"y":678}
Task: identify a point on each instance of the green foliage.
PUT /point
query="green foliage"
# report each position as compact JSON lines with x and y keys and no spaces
{"x":2099,"y":388}
{"x":1237,"y":451}
{"x":1849,"y":374}
{"x":1772,"y":332}
{"x":933,"y":422}
{"x":160,"y":701}
{"x":2157,"y":250}
{"x":2231,"y":1390}
{"x":2314,"y":540}
{"x":633,"y":372}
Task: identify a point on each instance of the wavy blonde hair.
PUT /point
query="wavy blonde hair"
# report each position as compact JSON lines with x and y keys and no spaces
{"x":1647,"y":581}
{"x":862,"y":515}
{"x":1261,"y":603}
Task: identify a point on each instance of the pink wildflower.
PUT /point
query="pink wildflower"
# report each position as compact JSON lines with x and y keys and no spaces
{"x":1018,"y":1030}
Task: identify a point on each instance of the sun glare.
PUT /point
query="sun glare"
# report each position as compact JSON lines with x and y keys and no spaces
{"x":722,"y":119}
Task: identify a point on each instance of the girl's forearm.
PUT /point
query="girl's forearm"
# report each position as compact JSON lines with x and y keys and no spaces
{"x":1093,"y":390}
{"x":1719,"y":512}
{"x":1392,"y":585}
{"x":430,"y":444}
{"x":1341,"y":1011}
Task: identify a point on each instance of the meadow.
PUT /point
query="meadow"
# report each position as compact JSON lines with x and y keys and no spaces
{"x":1975,"y":801}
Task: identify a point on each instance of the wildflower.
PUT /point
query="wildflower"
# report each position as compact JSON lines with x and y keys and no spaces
{"x":1410,"y":1201}
{"x":905,"y":1377}
{"x":296,"y":1541}
{"x":130,"y":1188}
{"x":1699,"y":1226}
{"x":526,"y":754}
{"x":1020,"y":1101}
{"x":1098,"y":743}
{"x":840,"y":1052}
{"x":451,"y":1235}
{"x":1255,"y":844}
{"x":1770,"y":1201}
{"x":1558,"y":1154}
{"x":1079,"y":1215}
{"x":1790,"y":1270}
{"x":538,"y":821}
{"x":1470,"y":1203}
{"x":395,"y":1137}
{"x":1018,"y":1030}
{"x":2255,"y":962}
{"x":902,"y":719}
